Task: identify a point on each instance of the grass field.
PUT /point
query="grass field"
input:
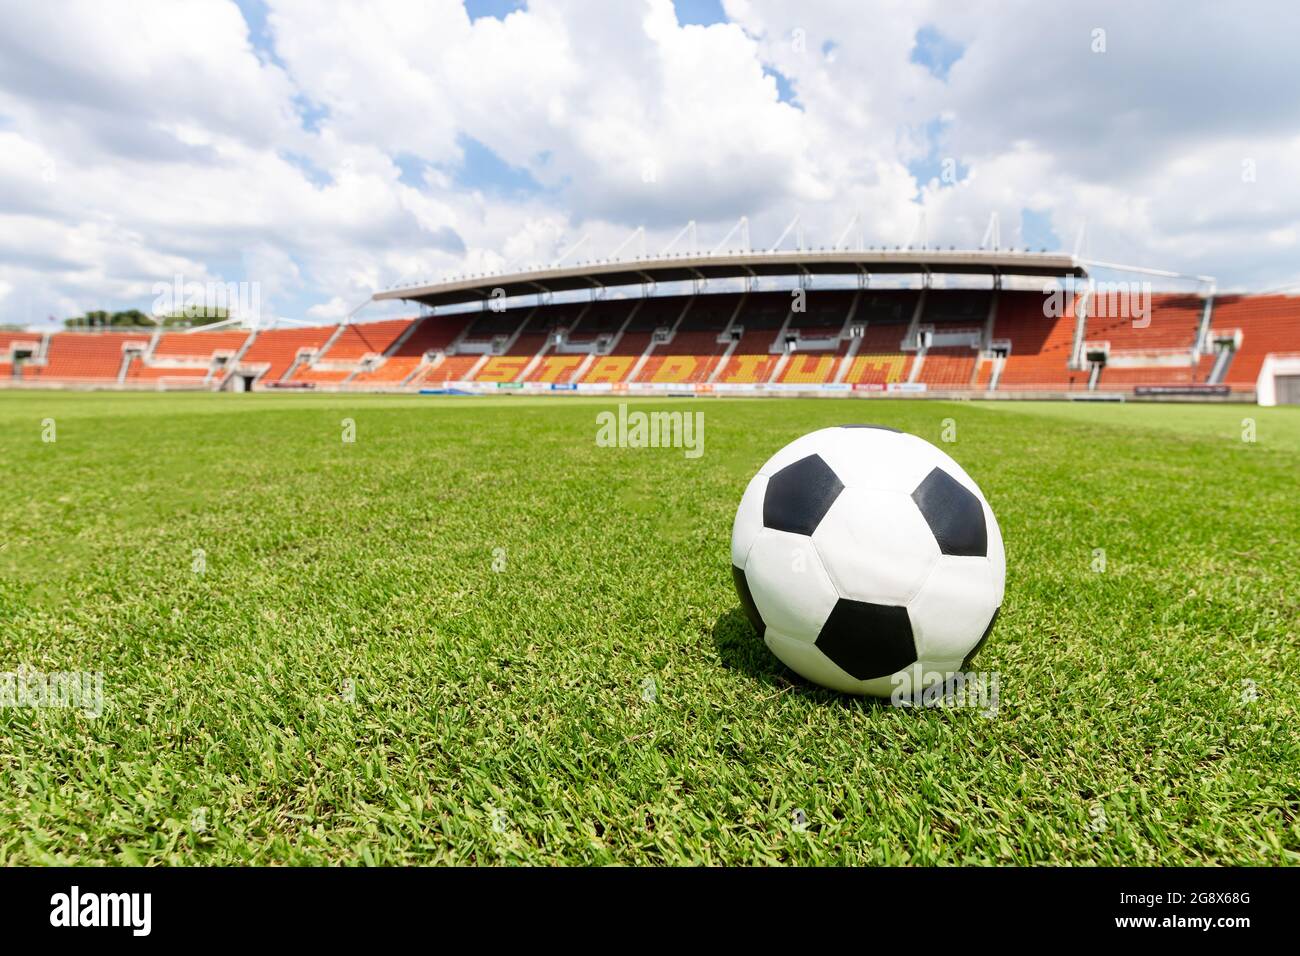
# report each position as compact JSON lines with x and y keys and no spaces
{"x":434,"y":644}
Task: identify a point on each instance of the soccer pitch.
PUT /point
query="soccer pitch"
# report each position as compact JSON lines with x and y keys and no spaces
{"x":474,"y":635}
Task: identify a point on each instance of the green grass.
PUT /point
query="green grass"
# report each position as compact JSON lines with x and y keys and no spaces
{"x":499,"y":715}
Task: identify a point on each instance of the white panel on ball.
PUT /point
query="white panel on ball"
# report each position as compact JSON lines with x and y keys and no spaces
{"x":929,"y":456}
{"x":800,"y":448}
{"x":951,"y":611}
{"x":876,"y":546}
{"x":811,"y":664}
{"x":789,"y":585}
{"x":749,"y":521}
{"x":875,"y":458}
{"x":997,"y":556}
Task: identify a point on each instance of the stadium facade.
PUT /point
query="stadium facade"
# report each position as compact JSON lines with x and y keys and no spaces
{"x":839,"y":323}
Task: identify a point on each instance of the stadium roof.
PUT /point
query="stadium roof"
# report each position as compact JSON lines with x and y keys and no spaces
{"x":736,"y":265}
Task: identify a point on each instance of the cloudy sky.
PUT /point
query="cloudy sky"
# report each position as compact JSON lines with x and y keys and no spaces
{"x":328,"y":150}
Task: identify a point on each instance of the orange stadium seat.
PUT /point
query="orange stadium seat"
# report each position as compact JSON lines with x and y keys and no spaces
{"x":880,"y":360}
{"x":277,"y":349}
{"x":752,"y":360}
{"x":806,"y":368}
{"x":412,"y":352}
{"x":948,"y":368}
{"x":695,"y":350}
{"x":454,"y":368}
{"x":1268,"y":324}
{"x":11,"y":342}
{"x":353,"y":343}
{"x":537,"y":340}
{"x":651,"y":314}
{"x":1172,"y":323}
{"x":85,"y":356}
{"x":1040,"y":344}
{"x":406,"y":355}
{"x":197,"y":345}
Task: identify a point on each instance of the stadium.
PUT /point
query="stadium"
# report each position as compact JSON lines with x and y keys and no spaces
{"x":945,"y":324}
{"x":510,"y":522}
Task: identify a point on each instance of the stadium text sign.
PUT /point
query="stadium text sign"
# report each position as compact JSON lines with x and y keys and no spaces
{"x":651,"y":430}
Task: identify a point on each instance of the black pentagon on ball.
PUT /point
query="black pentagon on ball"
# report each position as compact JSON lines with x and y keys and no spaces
{"x":799,"y":495}
{"x":883,"y":428}
{"x":868,"y":640}
{"x":953,"y":513}
{"x":747,"y":600}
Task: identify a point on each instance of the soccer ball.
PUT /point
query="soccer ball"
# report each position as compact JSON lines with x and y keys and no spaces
{"x":868,"y":560}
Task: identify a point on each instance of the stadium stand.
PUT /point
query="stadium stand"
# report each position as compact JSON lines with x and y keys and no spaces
{"x":410,"y":350}
{"x":620,"y":364}
{"x":552,"y":326}
{"x":85,"y":357}
{"x":1268,"y":324}
{"x":1144,"y":349}
{"x":697,"y":345}
{"x":1040,"y":344}
{"x":184,"y":359}
{"x":948,"y":368}
{"x":164,"y":375}
{"x":879,"y":359}
{"x":1172,"y":324}
{"x":14,"y":345}
{"x":274,"y":352}
{"x":813,"y":339}
{"x":751,"y":358}
{"x":452,"y":368}
{"x":199,"y":346}
{"x":342,"y":357}
{"x":824,"y":314}
{"x":604,"y":317}
{"x":846,"y":337}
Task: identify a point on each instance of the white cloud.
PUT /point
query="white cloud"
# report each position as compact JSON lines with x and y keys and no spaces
{"x":186,"y":150}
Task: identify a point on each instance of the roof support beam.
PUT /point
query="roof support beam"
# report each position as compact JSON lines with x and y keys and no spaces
{"x":571,"y":250}
{"x":640,"y":231}
{"x":743,"y":225}
{"x":993,"y":233}
{"x":845,"y":234}
{"x":689,"y":227}
{"x":785,"y":232}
